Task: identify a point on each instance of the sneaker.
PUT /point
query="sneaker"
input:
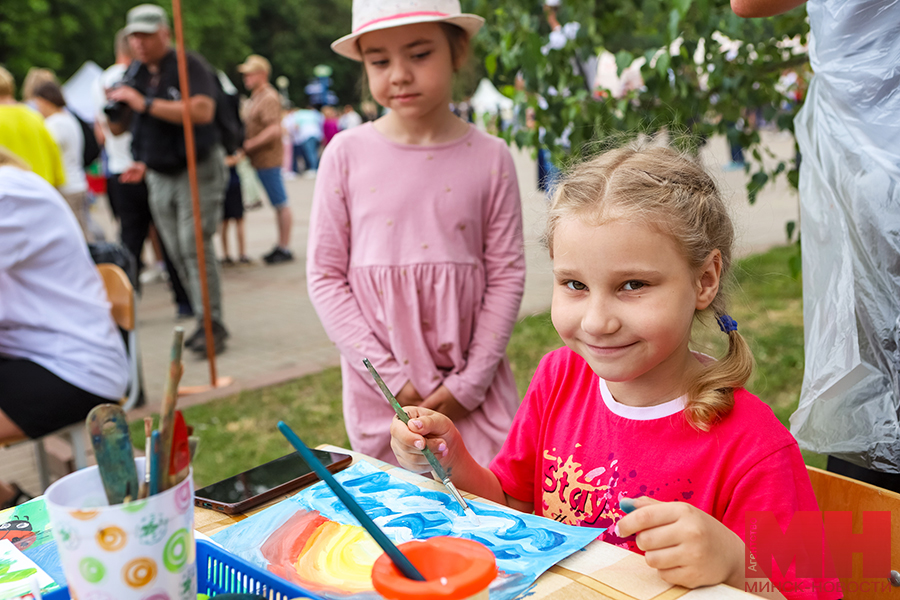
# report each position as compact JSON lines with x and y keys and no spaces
{"x":309,"y":174}
{"x":278,"y":255}
{"x":195,"y":338}
{"x":227,"y":262}
{"x":245,"y":260}
{"x":220,"y":334}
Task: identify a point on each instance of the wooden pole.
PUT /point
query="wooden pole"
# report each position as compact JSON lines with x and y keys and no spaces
{"x":195,"y":189}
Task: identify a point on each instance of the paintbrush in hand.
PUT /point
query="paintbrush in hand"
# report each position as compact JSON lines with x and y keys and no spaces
{"x":432,"y":459}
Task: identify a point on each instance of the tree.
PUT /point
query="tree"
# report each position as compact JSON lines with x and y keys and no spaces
{"x":692,"y":84}
{"x":296,"y":35}
{"x":63,"y":34}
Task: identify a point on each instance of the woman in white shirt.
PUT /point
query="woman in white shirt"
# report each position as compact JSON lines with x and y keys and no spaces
{"x":60,"y":351}
{"x":66,"y":130}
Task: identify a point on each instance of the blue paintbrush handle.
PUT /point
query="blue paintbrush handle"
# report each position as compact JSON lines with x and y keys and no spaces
{"x":352,"y":505}
{"x":154,"y":463}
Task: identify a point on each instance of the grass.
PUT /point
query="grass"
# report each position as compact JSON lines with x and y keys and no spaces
{"x":239,"y":432}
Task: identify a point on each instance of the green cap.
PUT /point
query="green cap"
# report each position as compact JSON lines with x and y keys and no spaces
{"x":146,"y":18}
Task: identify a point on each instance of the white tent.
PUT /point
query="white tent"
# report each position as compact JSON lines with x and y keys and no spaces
{"x":79,"y":91}
{"x":488,"y":100}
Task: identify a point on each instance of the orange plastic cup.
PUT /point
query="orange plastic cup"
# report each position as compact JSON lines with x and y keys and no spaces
{"x":454,"y":569}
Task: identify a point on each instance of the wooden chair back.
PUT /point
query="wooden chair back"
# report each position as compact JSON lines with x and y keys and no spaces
{"x":120,"y":293}
{"x":838,"y":493}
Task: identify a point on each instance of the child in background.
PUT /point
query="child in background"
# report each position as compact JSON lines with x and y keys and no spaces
{"x":627,"y":415}
{"x":415,"y":257}
{"x":233,"y":211}
{"x":330,"y":127}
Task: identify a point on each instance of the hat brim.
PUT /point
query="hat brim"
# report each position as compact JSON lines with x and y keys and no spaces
{"x":346,"y":46}
{"x":142,"y":28}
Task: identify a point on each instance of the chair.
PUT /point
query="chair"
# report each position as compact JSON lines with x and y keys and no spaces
{"x":838,"y":493}
{"x":122,"y":299}
{"x":121,"y":296}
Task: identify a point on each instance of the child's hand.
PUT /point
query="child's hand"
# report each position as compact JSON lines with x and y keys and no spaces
{"x":408,"y":395}
{"x":687,"y":546}
{"x":443,"y":402}
{"x":425,"y":427}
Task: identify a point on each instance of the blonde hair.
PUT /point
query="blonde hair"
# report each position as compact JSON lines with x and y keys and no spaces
{"x":34,"y":78}
{"x":7,"y":158}
{"x":7,"y":83}
{"x":672,"y":193}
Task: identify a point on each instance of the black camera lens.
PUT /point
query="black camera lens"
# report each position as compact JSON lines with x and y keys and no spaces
{"x":115,"y":111}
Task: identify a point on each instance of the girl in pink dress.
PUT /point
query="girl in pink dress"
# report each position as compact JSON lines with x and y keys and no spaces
{"x":415,"y":257}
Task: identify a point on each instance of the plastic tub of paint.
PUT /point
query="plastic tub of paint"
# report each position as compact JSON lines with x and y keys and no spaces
{"x":454,"y":569}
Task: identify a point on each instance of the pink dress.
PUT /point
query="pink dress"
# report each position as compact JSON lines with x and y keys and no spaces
{"x":416,"y":262}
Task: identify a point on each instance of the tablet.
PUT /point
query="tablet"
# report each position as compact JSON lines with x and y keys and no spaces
{"x":260,"y":484}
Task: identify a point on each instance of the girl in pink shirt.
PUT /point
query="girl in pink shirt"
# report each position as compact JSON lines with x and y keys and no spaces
{"x":415,"y":257}
{"x":626,"y":418}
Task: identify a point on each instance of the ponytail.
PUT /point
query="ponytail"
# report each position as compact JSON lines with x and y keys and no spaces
{"x":711,"y":394}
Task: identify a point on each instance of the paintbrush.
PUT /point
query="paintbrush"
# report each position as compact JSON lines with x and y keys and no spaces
{"x":154,"y":464}
{"x":432,"y":459}
{"x":167,"y":416}
{"x":108,"y":429}
{"x":399,"y":559}
{"x":148,"y":431}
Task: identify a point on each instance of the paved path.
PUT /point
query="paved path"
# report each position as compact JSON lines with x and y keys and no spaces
{"x":276,"y":335}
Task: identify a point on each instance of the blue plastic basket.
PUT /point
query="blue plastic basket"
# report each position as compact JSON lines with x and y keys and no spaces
{"x":219,"y":572}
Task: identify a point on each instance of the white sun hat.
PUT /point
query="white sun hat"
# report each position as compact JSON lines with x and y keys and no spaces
{"x":372,"y":15}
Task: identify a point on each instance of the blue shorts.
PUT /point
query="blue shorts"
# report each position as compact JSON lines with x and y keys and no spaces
{"x":274,"y":185}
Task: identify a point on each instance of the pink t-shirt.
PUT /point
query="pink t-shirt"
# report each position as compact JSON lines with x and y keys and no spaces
{"x":575,"y":452}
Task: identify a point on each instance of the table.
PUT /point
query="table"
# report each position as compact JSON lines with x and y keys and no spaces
{"x":601,"y":572}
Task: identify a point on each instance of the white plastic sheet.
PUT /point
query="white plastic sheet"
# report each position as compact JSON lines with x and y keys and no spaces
{"x":849,"y":136}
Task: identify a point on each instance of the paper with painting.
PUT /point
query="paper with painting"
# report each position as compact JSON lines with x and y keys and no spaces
{"x":312,"y":540}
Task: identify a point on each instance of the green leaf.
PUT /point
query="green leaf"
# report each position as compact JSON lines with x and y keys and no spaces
{"x":674,"y":19}
{"x":790,"y":226}
{"x":683,"y":6}
{"x":662,"y":63}
{"x":757,"y":181}
{"x":490,"y":64}
{"x":623,"y":60}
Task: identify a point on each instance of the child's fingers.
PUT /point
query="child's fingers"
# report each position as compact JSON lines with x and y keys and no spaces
{"x":664,"y":558}
{"x":658,"y":538}
{"x":428,"y":422}
{"x":648,"y":513}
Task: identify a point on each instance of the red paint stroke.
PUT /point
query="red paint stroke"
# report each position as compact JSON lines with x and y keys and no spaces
{"x":286,"y":543}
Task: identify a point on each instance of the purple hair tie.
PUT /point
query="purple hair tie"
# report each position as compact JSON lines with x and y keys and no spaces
{"x":726,"y":323}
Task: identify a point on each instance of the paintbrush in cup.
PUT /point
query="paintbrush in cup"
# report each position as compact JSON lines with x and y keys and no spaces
{"x":442,"y":474}
{"x":398,"y":558}
{"x":167,"y":414}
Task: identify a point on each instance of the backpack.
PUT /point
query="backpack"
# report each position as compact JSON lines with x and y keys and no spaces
{"x":91,"y":147}
{"x":228,"y":119}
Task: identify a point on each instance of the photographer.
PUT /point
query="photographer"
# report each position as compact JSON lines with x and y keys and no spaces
{"x":129,"y":201}
{"x":153,"y":111}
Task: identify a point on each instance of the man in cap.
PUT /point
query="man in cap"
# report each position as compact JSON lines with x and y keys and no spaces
{"x":153,"y":97}
{"x":262,"y":121}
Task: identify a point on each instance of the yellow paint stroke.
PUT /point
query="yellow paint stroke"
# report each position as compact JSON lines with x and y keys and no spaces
{"x":340,"y":557}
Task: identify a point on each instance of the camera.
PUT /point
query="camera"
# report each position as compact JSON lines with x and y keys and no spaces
{"x":117,"y":111}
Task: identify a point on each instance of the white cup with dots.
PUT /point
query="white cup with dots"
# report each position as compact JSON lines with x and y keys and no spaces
{"x":143,"y":549}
